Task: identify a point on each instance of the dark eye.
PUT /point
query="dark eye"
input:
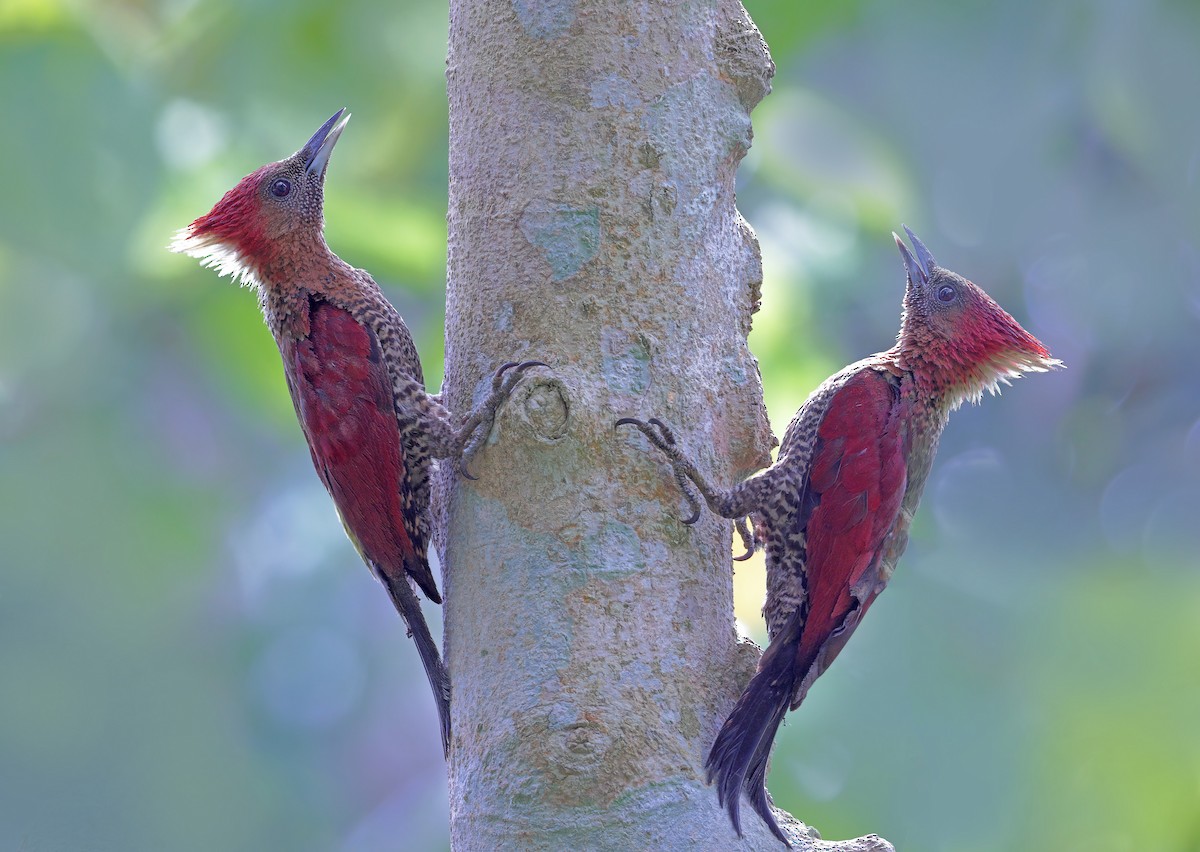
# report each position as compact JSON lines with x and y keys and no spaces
{"x":946,"y":294}
{"x":281,"y":188}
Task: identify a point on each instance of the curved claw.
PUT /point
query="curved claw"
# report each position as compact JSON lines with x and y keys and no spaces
{"x":525,"y":365}
{"x":465,"y":458}
{"x":498,"y":376}
{"x":748,"y":541}
{"x":664,"y":429}
{"x":502,"y":387}
{"x":692,"y":501}
{"x":465,"y":470}
{"x":470,"y":448}
{"x":661,"y":436}
{"x":509,"y":384}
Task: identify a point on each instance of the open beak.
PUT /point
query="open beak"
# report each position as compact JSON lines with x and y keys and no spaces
{"x":921,"y":267}
{"x":317,"y":150}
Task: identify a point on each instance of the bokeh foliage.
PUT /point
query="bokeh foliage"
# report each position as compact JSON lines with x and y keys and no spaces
{"x":191,"y":656}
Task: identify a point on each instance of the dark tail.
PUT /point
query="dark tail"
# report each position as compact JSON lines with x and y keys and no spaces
{"x":738,"y":760}
{"x":405,"y":600}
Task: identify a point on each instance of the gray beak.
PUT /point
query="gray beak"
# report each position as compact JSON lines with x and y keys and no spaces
{"x":317,"y":150}
{"x":919,"y":268}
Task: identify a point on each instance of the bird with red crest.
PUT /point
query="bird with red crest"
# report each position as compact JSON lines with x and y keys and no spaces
{"x":353,"y":373}
{"x":833,"y":512}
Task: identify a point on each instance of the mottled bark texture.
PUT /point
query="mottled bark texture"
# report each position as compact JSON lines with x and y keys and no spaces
{"x":589,"y":633}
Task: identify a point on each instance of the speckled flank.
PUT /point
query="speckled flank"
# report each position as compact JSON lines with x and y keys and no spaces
{"x":833,"y":512}
{"x":354,"y":375}
{"x":567,"y":238}
{"x":545,"y":19}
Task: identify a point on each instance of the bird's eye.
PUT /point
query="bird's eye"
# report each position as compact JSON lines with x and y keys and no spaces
{"x":946,"y":294}
{"x":281,"y":188}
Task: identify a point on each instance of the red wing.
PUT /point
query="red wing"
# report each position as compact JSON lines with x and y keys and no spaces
{"x":858,"y":475}
{"x":343,"y":397}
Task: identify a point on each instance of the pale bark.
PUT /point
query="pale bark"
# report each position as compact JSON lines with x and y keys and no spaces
{"x":590,"y":634}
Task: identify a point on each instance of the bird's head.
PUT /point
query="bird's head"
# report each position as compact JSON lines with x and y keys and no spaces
{"x":956,"y":335}
{"x":267,"y":212}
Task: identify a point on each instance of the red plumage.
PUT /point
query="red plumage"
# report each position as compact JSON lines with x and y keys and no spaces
{"x":833,"y":512}
{"x":860,"y":454}
{"x":344,"y":402}
{"x":236,"y":219}
{"x":353,"y":372}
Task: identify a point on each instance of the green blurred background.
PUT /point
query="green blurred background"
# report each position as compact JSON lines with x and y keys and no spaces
{"x":191,"y":655}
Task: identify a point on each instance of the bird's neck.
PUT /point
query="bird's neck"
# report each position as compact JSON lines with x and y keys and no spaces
{"x":944,"y":377}
{"x":292,"y":275}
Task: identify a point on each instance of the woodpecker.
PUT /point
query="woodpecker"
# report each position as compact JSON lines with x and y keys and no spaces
{"x":833,"y":512}
{"x":353,"y":373}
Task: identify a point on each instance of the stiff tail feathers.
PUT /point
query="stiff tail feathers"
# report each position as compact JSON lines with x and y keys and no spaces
{"x":738,"y":759}
{"x":409,"y":607}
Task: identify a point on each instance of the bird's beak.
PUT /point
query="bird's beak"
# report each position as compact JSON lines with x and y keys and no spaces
{"x":317,"y":150}
{"x":921,"y":267}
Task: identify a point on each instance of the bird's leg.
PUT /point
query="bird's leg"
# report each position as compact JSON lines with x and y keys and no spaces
{"x":470,"y":437}
{"x":437,"y":431}
{"x":735,"y":503}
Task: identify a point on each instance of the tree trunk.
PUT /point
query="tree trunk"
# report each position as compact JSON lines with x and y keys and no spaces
{"x":589,"y":633}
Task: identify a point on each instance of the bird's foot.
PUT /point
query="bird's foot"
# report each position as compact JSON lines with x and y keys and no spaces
{"x":686,"y":476}
{"x":471,"y":437}
{"x":749,"y":540}
{"x":693,"y":501}
{"x":658,"y":433}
